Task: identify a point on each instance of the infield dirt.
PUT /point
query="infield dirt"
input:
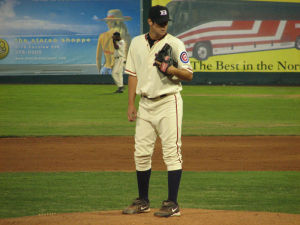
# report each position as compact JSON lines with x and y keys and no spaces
{"x":226,"y":153}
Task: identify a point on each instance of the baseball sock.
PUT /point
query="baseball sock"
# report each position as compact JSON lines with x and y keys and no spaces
{"x":143,"y":178}
{"x":174,"y":178}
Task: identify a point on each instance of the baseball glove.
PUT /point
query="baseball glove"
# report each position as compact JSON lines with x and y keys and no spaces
{"x":164,"y":56}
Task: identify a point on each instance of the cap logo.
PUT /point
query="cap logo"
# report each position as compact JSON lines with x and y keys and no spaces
{"x":163,"y":12}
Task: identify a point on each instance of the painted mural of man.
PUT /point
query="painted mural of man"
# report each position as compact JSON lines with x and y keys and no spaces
{"x":115,"y":23}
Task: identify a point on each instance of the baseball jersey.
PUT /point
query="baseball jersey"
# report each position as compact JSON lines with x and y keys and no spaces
{"x":120,"y":52}
{"x":151,"y":82}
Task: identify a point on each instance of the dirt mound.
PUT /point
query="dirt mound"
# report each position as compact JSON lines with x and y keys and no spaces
{"x":188,"y":217}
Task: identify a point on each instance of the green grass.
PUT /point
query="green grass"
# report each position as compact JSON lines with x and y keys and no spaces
{"x":74,"y":110}
{"x":24,"y":194}
{"x":242,"y":111}
{"x":41,"y":110}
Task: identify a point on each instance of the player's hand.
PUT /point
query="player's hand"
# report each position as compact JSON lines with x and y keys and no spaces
{"x":169,"y":69}
{"x":131,"y":113}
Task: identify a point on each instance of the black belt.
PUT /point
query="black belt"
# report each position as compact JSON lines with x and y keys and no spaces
{"x":156,"y":98}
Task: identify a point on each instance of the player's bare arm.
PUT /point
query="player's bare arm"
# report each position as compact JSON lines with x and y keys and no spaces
{"x":182,"y":74}
{"x":131,"y":113}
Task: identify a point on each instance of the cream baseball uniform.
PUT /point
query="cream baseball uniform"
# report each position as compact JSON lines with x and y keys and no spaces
{"x":118,"y":68}
{"x":160,"y":108}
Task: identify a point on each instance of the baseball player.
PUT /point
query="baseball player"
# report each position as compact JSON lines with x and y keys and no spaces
{"x":119,"y":55}
{"x":156,"y":63}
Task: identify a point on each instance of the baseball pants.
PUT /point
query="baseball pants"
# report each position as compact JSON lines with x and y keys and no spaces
{"x":163,"y":118}
{"x":117,"y":71}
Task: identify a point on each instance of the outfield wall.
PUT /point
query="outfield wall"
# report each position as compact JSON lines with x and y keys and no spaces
{"x":282,"y":79}
{"x":276,"y":67}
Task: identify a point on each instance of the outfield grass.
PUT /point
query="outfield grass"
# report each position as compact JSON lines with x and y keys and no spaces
{"x":24,"y":194}
{"x":75,"y":110}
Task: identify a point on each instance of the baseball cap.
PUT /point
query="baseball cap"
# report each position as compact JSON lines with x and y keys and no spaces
{"x":159,"y":14}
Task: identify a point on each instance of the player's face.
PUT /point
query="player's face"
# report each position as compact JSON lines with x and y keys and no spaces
{"x":158,"y":30}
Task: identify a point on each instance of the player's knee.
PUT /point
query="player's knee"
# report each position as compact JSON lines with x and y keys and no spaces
{"x":142,"y":161}
{"x":173,"y":160}
{"x":174,"y":164}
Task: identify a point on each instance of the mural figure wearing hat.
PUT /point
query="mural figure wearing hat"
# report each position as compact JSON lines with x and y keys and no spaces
{"x":115,"y":22}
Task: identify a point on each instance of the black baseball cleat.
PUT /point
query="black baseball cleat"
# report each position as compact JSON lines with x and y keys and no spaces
{"x":168,"y":209}
{"x":137,"y":206}
{"x":120,"y":90}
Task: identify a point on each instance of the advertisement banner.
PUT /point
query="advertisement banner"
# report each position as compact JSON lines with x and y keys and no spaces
{"x":51,"y":36}
{"x":238,"y":36}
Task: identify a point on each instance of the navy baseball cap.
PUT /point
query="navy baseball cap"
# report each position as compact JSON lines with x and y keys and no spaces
{"x":159,"y":14}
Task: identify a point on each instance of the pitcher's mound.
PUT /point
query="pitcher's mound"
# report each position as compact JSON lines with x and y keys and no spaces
{"x":188,"y":217}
